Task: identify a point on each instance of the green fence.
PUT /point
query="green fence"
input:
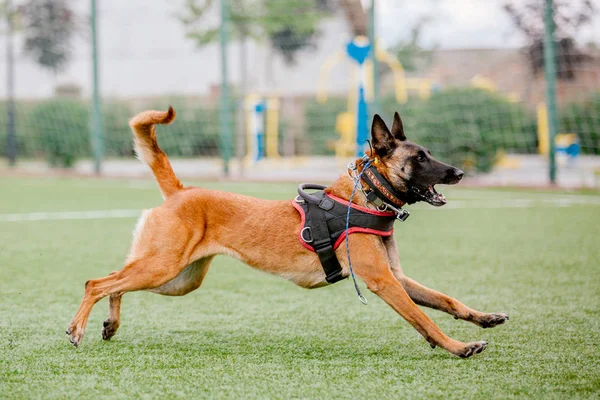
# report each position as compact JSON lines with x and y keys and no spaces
{"x":463,"y":122}
{"x":465,"y":126}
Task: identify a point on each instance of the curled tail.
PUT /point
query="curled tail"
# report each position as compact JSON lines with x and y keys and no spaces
{"x":147,"y":150}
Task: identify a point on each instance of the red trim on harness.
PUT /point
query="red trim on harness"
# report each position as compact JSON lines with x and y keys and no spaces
{"x":356,"y":229}
{"x":352,"y":230}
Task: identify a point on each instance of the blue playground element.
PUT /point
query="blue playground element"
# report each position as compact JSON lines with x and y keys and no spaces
{"x":359,"y":53}
{"x":567,"y":144}
{"x":572,"y":150}
{"x":259,"y":134}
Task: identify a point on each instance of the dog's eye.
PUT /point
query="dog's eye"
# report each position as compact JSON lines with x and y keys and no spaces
{"x":421,"y":158}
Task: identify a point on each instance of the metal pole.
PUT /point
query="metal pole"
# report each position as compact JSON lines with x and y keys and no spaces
{"x":11,"y":143}
{"x":550,"y":75}
{"x":96,"y":134}
{"x":225,"y":111}
{"x":241,"y":109}
{"x":375,"y":105}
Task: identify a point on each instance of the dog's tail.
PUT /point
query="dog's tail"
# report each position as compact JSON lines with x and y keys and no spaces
{"x":147,"y":150}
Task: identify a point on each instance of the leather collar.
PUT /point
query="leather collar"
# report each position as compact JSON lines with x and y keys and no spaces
{"x":380,"y":188}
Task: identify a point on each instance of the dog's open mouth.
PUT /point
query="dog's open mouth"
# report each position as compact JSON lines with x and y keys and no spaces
{"x":431,"y":196}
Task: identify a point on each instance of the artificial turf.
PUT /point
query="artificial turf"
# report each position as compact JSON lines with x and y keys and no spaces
{"x":245,"y":334}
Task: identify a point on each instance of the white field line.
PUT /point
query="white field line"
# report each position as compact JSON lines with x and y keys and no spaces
{"x":452,"y":205}
{"x":70,"y":215}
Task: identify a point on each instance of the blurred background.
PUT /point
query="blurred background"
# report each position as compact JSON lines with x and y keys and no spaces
{"x":508,"y":90}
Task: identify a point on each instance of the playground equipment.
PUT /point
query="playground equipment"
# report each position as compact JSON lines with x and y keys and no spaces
{"x":262,"y":127}
{"x":352,"y":125}
{"x":566,"y":144}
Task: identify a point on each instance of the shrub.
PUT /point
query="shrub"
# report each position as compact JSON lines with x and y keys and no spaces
{"x":118,"y":138}
{"x":320,"y":125}
{"x":409,"y":112}
{"x":584,"y":120}
{"x":62,"y":128}
{"x":466,"y":127}
{"x":195,"y":131}
{"x":25,"y":140}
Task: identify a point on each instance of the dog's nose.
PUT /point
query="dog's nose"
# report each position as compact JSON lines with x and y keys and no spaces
{"x":458,"y":173}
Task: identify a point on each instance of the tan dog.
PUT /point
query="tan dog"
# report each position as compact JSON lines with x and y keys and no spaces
{"x":175,"y":243}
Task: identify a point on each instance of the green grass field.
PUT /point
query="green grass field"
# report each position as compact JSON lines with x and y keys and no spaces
{"x":244,"y":334}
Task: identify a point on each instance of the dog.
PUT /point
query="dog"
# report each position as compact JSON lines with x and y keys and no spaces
{"x":174,"y":243}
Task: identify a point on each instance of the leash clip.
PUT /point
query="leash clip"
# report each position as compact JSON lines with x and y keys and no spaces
{"x":402,"y":215}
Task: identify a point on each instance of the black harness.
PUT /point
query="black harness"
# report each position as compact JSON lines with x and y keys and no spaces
{"x":324,"y":227}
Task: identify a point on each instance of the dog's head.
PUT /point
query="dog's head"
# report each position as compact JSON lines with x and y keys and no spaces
{"x":408,"y":167}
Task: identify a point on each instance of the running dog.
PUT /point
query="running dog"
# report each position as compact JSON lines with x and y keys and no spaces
{"x":174,"y":243}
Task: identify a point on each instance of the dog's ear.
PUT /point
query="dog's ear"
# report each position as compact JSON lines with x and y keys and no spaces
{"x":383,"y":140}
{"x":397,"y":128}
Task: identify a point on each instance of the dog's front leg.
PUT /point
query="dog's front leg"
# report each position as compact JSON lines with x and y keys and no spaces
{"x":426,"y":297}
{"x":373,"y":268}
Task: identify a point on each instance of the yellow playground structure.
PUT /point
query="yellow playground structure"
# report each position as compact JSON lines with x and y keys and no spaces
{"x":348,"y":124}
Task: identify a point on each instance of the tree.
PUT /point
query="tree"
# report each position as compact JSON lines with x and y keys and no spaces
{"x":48,"y":27}
{"x":356,"y":16}
{"x":568,"y":15}
{"x":289,"y":25}
{"x":410,"y":52}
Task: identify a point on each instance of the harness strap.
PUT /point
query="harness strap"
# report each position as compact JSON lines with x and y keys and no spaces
{"x":322,"y":242}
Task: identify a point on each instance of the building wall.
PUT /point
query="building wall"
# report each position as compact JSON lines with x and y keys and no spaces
{"x":144,"y":52}
{"x":509,"y":70}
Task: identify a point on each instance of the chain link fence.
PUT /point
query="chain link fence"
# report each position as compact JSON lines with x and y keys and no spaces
{"x":476,"y":101}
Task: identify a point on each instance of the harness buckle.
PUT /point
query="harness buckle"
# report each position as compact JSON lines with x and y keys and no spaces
{"x":299,"y":199}
{"x":326,"y":204}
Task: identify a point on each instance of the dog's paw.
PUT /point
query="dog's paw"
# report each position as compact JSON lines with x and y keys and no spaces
{"x":471,"y":349}
{"x":109,"y":330}
{"x":75,"y":335}
{"x":492,"y":320}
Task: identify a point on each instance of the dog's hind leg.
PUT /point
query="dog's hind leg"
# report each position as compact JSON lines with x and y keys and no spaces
{"x":142,"y":274}
{"x":162,"y":249}
{"x":426,"y":297}
{"x":186,"y":281}
{"x":114,"y":316}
